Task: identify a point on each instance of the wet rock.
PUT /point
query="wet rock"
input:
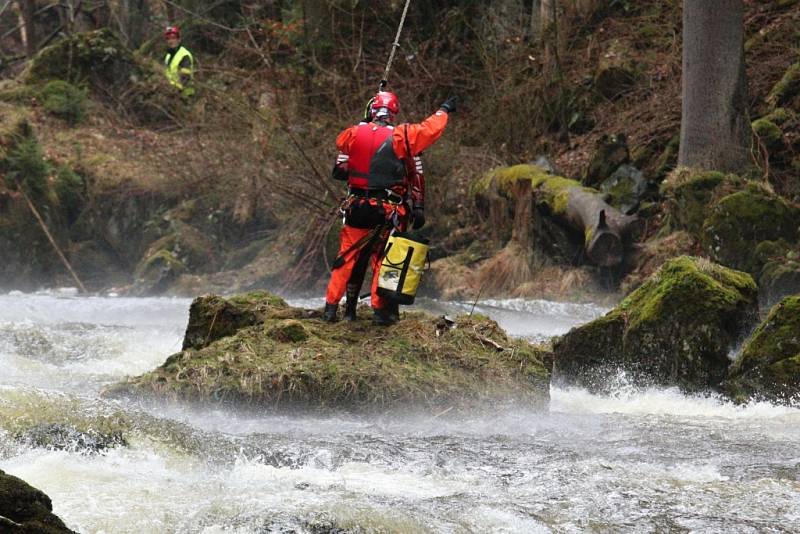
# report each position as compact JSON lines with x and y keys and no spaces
{"x":212,"y":317}
{"x":25,"y":509}
{"x":62,"y":437}
{"x":626,"y":188}
{"x":739,"y":221}
{"x":609,"y":153}
{"x":674,"y":330}
{"x":294,"y":360}
{"x":769,"y":365}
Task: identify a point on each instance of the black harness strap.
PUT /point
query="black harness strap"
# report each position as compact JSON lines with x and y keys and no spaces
{"x":358,"y":245}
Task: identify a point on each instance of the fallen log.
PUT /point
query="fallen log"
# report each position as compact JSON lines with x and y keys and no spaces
{"x":605,"y":229}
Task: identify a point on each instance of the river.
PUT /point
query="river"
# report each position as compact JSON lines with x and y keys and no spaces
{"x":650,"y":460}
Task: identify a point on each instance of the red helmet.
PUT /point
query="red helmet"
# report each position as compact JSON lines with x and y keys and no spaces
{"x":385,"y":99}
{"x":172,"y":31}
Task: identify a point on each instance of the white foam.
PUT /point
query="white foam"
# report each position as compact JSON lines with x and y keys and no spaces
{"x":663,"y":401}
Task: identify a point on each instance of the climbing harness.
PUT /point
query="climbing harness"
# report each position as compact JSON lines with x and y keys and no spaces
{"x":385,"y":80}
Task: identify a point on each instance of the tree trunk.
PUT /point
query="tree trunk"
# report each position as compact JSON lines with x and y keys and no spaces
{"x":27,"y":9}
{"x":606,"y":230}
{"x":715,"y":131}
{"x":536,"y":20}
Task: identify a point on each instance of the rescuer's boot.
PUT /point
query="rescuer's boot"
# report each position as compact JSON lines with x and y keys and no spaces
{"x":329,"y":315}
{"x":351,"y":303}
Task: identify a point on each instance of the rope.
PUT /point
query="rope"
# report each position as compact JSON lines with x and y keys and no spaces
{"x":395,"y":45}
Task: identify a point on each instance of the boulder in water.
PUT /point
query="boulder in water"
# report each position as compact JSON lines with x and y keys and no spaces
{"x":769,"y":366}
{"x":675,"y":330}
{"x":24,"y":509}
{"x":269,"y":354}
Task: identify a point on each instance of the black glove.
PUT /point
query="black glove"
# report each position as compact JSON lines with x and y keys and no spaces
{"x":449,"y":105}
{"x":339,"y":173}
{"x":419,"y":218}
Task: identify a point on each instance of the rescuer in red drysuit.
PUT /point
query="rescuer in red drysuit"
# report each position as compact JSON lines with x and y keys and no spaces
{"x":384,"y":192}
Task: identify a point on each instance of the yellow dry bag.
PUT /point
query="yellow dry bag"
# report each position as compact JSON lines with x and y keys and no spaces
{"x":402,"y":267}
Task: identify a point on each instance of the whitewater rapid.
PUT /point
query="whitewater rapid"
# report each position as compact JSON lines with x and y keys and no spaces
{"x":649,"y":460}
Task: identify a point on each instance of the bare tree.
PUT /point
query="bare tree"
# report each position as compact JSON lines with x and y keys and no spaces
{"x":715,"y":130}
{"x":27,"y":10}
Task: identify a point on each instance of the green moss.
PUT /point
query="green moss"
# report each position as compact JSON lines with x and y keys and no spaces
{"x":682,"y":283}
{"x":787,"y":89}
{"x":738,"y":222}
{"x":781,"y":116}
{"x":554,"y":190}
{"x":689,"y":195}
{"x":676,"y":328}
{"x":769,"y":365}
{"x":292,"y":361}
{"x":768,"y":133}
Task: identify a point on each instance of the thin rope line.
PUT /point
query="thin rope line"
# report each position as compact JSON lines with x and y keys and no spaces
{"x":395,"y":44}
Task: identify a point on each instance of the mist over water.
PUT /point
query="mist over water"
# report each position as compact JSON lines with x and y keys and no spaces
{"x":636,"y":460}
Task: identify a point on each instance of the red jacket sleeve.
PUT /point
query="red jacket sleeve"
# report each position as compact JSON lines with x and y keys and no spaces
{"x":419,"y":136}
{"x":345,"y":139}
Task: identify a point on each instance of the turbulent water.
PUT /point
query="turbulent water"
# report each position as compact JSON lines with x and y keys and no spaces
{"x":638,"y":460}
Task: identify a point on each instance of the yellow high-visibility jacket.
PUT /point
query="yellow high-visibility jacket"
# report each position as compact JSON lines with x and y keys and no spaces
{"x":180,"y":76}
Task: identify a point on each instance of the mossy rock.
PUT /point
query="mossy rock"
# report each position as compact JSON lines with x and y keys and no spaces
{"x":98,"y":58}
{"x":769,"y":365}
{"x":192,"y":247}
{"x":738,"y":222}
{"x":689,"y":195}
{"x":156,"y":272}
{"x":24,"y":508}
{"x":626,"y":187}
{"x":212,"y":317}
{"x":609,"y":153}
{"x":769,"y":134}
{"x":290,"y":359}
{"x":676,"y":329}
{"x":787,"y":91}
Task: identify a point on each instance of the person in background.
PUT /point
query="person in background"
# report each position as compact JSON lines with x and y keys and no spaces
{"x":385,"y":193}
{"x":178,"y":63}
